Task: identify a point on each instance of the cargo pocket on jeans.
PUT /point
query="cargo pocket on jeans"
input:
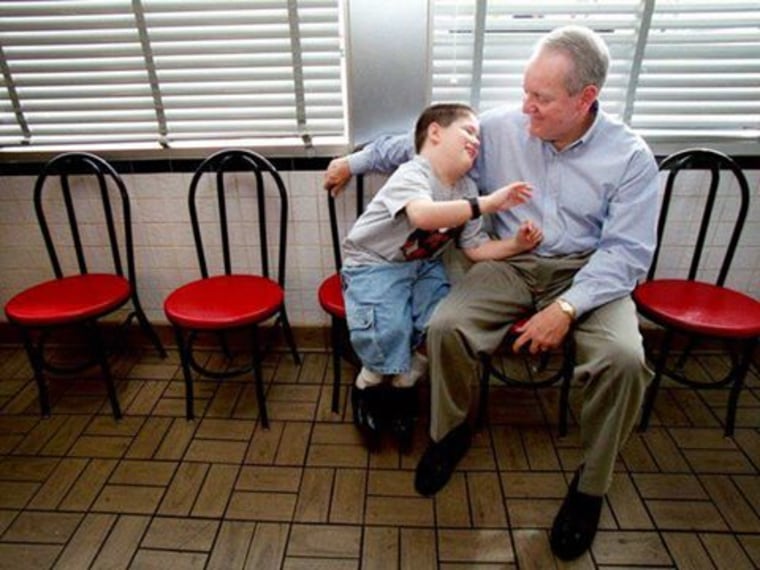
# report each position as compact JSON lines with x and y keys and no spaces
{"x":361,"y":325}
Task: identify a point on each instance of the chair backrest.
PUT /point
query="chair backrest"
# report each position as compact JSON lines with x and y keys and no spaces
{"x":335,"y":232}
{"x":714,"y":164}
{"x":82,"y":176}
{"x":253,"y":176}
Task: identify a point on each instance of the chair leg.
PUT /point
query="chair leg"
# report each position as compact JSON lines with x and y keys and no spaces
{"x":100,"y":353}
{"x":258,"y":378}
{"x":36,"y":360}
{"x":485,"y":379}
{"x":148,"y":328}
{"x":568,"y":366}
{"x":224,"y":344}
{"x":289,"y":336}
{"x":690,"y":344}
{"x":184,"y":358}
{"x":739,"y":373}
{"x":651,"y":394}
{"x":335,"y":339}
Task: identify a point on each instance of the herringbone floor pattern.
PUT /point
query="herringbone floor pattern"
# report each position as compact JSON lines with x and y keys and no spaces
{"x":80,"y":490}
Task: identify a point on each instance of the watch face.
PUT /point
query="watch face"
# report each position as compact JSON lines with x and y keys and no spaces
{"x":566,"y":307}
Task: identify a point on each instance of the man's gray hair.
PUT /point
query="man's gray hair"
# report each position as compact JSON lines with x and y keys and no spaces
{"x":586,"y":49}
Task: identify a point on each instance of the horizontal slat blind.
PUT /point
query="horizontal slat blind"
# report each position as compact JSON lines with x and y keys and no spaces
{"x":169,"y":71}
{"x":78,"y":71}
{"x":700,"y":75}
{"x":511,"y":31}
{"x":697,"y":76}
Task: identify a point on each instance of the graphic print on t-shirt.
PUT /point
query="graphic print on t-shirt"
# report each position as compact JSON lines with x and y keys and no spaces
{"x":422,"y":244}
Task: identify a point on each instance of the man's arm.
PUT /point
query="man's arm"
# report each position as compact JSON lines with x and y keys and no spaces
{"x":384,"y":154}
{"x":622,"y":257}
{"x":627,"y":242}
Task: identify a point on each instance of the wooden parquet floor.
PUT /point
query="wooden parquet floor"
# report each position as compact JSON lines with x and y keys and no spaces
{"x":81,"y":490}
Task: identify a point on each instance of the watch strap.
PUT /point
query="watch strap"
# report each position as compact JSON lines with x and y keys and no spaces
{"x":475,"y":207}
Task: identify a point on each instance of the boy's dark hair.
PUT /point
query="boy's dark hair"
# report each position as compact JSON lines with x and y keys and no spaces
{"x":442,"y":113}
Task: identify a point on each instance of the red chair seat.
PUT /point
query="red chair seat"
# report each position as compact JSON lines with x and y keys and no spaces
{"x":331,"y":296}
{"x":224,"y":301}
{"x":69,"y":299}
{"x":699,"y":307}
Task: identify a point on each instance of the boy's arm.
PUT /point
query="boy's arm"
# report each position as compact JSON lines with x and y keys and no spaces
{"x":432,"y":215}
{"x":527,"y":237}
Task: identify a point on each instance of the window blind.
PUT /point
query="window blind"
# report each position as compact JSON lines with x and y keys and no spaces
{"x":680,"y":68}
{"x":170,"y":72}
{"x":700,"y":74}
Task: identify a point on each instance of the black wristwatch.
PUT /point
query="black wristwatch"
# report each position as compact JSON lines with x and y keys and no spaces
{"x":475,"y":207}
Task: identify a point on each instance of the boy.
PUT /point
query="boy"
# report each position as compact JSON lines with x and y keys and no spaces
{"x":393,"y":276}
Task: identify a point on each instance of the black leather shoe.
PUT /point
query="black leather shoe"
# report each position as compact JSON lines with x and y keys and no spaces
{"x":576,"y":522}
{"x":365,"y":403}
{"x":403,"y":415}
{"x":439,"y":460}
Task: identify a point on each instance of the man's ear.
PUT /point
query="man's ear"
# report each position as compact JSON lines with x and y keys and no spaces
{"x":589,"y":94}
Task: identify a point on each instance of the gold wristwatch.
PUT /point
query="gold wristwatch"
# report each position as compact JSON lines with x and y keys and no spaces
{"x":566,"y":308}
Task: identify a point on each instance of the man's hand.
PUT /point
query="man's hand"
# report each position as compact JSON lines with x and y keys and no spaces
{"x":543,"y":331}
{"x":337,"y":175}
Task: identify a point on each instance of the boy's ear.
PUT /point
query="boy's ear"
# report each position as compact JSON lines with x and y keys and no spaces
{"x":434,"y":133}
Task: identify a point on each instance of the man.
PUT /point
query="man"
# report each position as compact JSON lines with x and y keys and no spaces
{"x":595,"y":196}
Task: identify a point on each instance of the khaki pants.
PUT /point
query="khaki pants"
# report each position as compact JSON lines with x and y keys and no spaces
{"x":609,"y":352}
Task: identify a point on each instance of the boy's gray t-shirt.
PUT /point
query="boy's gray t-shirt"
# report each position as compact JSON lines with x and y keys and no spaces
{"x":383,"y":234}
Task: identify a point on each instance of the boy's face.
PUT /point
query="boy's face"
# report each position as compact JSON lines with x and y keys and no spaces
{"x":460,"y":141}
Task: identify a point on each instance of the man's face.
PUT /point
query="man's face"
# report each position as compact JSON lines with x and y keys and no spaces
{"x":555,"y":115}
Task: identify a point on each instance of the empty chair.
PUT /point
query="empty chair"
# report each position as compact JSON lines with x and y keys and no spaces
{"x":692,"y":305}
{"x":74,"y":193}
{"x":227,"y":300}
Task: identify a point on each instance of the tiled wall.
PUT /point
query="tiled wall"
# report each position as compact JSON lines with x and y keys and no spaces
{"x":165,"y":255}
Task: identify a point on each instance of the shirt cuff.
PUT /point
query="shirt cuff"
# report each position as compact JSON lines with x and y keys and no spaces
{"x":578,"y":300}
{"x":361,"y":161}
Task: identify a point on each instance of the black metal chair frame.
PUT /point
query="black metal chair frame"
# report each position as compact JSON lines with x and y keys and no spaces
{"x":64,"y":166}
{"x":535,"y":366}
{"x":229,"y":161}
{"x":339,"y":335}
{"x":740,"y":351}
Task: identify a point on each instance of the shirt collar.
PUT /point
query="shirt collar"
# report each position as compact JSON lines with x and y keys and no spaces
{"x":585,"y":137}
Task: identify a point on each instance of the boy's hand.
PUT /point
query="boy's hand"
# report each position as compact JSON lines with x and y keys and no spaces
{"x":528,"y":236}
{"x":337,"y":175}
{"x":506,"y":197}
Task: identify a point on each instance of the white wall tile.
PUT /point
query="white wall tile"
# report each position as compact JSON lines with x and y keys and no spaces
{"x":165,"y":255}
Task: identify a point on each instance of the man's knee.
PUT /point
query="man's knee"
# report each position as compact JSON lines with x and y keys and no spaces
{"x":619,"y":358}
{"x":443,"y":320}
{"x":625,"y":356}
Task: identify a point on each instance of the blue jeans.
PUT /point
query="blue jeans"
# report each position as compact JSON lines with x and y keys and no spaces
{"x":388,"y":308}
